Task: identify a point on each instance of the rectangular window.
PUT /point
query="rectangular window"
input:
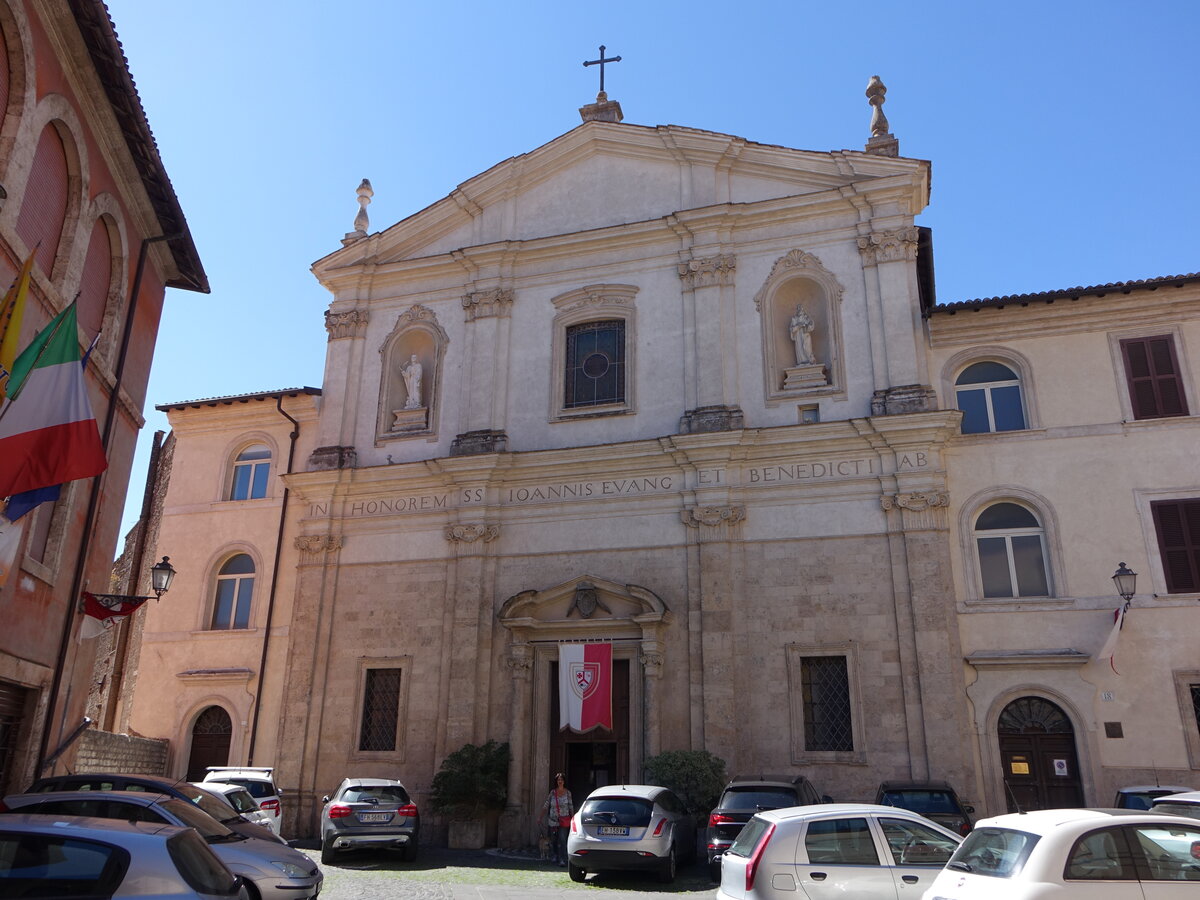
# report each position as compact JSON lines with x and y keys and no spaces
{"x":1152,"y":372}
{"x":1195,"y":689}
{"x":595,"y":364}
{"x":1177,"y":524}
{"x":826,"y":687}
{"x":380,"y":710}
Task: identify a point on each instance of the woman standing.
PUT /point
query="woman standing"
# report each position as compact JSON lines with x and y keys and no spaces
{"x":556,"y":813}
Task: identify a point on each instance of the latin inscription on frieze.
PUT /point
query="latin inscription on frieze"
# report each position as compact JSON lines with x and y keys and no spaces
{"x":613,"y":488}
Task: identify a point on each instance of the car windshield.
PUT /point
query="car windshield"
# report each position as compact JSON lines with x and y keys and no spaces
{"x":922,"y":801}
{"x":193,"y":816}
{"x":1176,"y":808}
{"x":998,"y":852}
{"x":257,"y":789}
{"x":749,"y":837}
{"x":758,"y":798}
{"x":218,"y":809}
{"x":241,"y":800}
{"x":631,"y":811}
{"x":377,"y":793}
{"x":1140,"y":799}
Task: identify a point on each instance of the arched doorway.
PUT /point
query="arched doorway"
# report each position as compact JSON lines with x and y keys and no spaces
{"x":210,"y":742}
{"x":1037,"y":750}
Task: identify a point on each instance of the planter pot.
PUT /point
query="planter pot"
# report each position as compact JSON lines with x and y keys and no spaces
{"x":470,"y":835}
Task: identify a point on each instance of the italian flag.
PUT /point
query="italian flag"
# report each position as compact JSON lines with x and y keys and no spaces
{"x":585,"y":686}
{"x":48,"y":434}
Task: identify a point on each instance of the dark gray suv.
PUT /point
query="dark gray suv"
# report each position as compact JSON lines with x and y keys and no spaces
{"x":746,"y":795}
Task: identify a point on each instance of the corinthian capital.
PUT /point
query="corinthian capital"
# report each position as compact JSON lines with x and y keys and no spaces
{"x":916,"y":502}
{"x":706,"y":272}
{"x":712,"y":516}
{"x":889,"y":246}
{"x":351,"y":323}
{"x":484,"y":304}
{"x":315,"y":544}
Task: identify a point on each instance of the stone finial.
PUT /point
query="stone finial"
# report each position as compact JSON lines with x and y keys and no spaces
{"x":361,"y":222}
{"x":603,"y":110}
{"x":882,"y":143}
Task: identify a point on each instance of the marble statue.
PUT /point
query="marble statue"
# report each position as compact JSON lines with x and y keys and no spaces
{"x":801,"y":328}
{"x":412,"y":382}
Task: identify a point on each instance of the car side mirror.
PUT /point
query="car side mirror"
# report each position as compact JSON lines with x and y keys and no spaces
{"x":969,"y":809}
{"x":825,"y":798}
{"x":325,"y":799}
{"x":279,"y":792}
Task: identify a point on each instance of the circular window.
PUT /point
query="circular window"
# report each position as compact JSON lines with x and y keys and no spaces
{"x":596,"y":365}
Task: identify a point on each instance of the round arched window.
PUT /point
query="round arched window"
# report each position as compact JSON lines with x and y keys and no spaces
{"x":1011,"y":544}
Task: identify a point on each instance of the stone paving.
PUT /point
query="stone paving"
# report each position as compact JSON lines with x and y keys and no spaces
{"x":440,"y":874}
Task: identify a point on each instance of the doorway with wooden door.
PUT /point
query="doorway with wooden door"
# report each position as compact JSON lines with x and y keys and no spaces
{"x":211,"y":736}
{"x":1037,"y":751}
{"x":600,"y":757}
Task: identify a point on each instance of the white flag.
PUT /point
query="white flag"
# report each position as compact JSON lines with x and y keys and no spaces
{"x":10,"y":540}
{"x":1109,"y":650}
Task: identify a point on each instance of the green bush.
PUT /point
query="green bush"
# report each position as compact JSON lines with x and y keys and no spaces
{"x":696,"y":776}
{"x":471,"y":781}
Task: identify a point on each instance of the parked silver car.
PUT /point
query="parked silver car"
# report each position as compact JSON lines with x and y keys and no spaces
{"x":835,"y":850}
{"x":630,"y":827}
{"x":272,"y":871}
{"x":71,"y":856}
{"x":260,"y":782}
{"x":369,"y":814}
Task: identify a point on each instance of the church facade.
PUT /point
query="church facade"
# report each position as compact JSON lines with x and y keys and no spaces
{"x":691,"y":395}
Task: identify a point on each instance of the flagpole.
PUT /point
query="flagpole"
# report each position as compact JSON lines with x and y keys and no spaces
{"x":93,"y":503}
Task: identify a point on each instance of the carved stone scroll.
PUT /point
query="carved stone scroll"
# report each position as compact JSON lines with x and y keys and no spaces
{"x":916,"y":502}
{"x":469,"y":533}
{"x":348,"y":324}
{"x":495,"y":303}
{"x":315,"y":544}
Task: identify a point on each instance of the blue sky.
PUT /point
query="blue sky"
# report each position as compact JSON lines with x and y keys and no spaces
{"x":1063,"y":135}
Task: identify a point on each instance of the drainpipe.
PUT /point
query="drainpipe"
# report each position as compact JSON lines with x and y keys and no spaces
{"x":89,"y":519}
{"x":262,"y":663}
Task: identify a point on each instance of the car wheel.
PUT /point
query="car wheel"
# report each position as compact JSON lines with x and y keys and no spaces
{"x":328,"y":854}
{"x":667,"y":873}
{"x":409,"y":853}
{"x":576,"y":873}
{"x":714,"y":870}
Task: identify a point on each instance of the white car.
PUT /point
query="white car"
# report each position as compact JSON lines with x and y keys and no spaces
{"x":1075,"y":854}
{"x":260,"y":782}
{"x":241,"y":800}
{"x":842,"y":850}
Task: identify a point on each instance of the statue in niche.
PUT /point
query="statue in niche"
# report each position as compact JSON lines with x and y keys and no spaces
{"x":412,"y":382}
{"x":801,"y":328}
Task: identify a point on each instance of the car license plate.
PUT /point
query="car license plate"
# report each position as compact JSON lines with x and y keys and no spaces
{"x":374,"y":817}
{"x":613,"y":829}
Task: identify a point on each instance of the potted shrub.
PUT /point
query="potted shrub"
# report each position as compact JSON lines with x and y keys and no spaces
{"x":470,"y":789}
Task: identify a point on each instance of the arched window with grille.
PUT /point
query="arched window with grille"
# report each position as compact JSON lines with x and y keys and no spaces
{"x":989,"y":395}
{"x":251,"y":469}
{"x":233,"y":593}
{"x":1011,"y":545}
{"x":44,"y":206}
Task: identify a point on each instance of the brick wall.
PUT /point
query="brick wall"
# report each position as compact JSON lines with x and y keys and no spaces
{"x":101,"y":751}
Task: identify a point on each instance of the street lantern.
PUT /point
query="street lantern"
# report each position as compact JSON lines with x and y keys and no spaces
{"x":1126,"y":582}
{"x":163,"y":573}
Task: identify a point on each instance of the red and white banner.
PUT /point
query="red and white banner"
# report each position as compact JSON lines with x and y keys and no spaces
{"x":585,"y":686}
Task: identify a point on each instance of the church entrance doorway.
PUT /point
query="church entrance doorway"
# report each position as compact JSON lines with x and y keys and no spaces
{"x":210,"y":742}
{"x":600,"y":757}
{"x":1037,"y":750}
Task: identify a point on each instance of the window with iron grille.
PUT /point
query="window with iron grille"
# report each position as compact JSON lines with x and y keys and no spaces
{"x":826,"y":686}
{"x":381,"y":710}
{"x":595,"y":364}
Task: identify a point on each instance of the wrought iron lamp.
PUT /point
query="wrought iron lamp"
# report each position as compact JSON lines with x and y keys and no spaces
{"x":1126,"y":582}
{"x":163,"y":573}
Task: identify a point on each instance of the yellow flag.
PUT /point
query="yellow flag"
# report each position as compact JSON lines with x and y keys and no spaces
{"x":12,"y":310}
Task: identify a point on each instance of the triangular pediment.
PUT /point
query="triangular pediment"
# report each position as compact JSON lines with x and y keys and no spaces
{"x":603,"y":175}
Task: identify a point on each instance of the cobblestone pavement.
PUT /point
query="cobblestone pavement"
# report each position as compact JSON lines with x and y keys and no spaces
{"x":440,"y":874}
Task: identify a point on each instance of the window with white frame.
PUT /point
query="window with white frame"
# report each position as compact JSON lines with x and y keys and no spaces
{"x":251,"y":470}
{"x":232,"y":594}
{"x":1011,"y":546}
{"x":989,"y":395}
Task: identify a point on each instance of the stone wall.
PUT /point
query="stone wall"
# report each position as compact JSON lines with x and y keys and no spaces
{"x":102,"y":751}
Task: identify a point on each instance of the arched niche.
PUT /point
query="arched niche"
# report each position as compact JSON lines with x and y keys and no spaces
{"x":409,"y":406}
{"x":801,"y":291}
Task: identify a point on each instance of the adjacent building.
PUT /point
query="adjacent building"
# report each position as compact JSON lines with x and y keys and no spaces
{"x":693,"y":395}
{"x":84,"y":190}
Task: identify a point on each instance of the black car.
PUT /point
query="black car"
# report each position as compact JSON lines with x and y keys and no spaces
{"x":746,"y":795}
{"x":209,"y":801}
{"x":935,"y":800}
